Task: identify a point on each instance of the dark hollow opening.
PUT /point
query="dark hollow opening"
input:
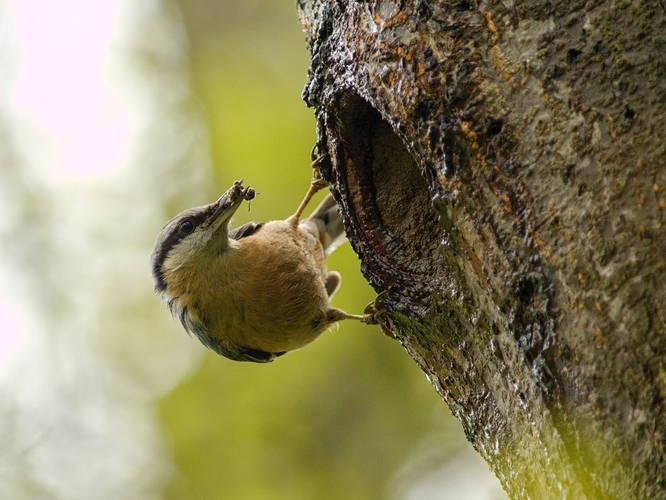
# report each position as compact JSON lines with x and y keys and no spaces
{"x":396,"y":228}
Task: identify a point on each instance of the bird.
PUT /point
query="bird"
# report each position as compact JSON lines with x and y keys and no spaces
{"x":258,"y":291}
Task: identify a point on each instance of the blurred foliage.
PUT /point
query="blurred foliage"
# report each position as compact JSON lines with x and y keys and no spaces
{"x":339,"y":418}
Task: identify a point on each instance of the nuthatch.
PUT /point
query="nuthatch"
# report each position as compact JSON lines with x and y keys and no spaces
{"x":255,"y":292}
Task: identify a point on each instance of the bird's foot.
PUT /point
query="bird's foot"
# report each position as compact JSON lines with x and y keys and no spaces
{"x":368,"y":319}
{"x":317,"y":184}
{"x":377,"y":312}
{"x":335,"y":315}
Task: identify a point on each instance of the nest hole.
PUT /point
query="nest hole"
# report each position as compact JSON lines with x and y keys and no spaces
{"x":395,"y":228}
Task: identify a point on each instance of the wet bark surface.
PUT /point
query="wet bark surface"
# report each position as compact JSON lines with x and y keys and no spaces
{"x":501,"y":170}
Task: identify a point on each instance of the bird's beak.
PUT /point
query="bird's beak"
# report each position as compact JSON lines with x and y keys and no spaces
{"x":228,"y":203}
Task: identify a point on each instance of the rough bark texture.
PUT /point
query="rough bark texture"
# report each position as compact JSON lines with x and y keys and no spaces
{"x":501,"y":169}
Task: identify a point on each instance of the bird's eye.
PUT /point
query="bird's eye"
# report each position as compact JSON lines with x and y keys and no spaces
{"x":186,"y":227}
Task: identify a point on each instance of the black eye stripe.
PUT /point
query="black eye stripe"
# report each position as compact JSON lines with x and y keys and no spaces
{"x":166,"y":243}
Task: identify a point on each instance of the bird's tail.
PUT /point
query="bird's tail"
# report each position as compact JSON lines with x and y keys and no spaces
{"x":326,"y":224}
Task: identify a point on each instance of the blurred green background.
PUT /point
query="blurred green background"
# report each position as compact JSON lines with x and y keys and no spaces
{"x":341,"y":417}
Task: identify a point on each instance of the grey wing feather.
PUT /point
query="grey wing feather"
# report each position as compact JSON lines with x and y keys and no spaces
{"x":245,"y":230}
{"x":235,"y":353}
{"x":252,"y":355}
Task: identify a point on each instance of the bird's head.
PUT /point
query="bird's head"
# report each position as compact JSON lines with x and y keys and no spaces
{"x":193,"y":237}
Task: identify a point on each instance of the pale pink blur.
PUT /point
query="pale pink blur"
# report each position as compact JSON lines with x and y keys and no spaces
{"x":62,"y":82}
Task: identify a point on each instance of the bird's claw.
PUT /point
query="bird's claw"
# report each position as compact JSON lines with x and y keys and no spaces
{"x":375,"y":313}
{"x":318,"y":182}
{"x":371,"y":314}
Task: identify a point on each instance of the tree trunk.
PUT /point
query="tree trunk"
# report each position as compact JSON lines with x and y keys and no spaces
{"x":501,"y":170}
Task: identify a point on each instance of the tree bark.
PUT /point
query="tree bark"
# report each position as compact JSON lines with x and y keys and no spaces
{"x":501,"y":170}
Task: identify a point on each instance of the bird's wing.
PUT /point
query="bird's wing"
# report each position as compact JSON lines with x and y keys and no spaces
{"x":245,"y":230}
{"x":248,"y":354}
{"x":235,"y":353}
